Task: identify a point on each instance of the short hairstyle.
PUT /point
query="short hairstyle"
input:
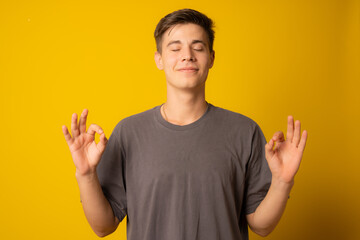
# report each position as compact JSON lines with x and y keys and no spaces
{"x":184,"y":16}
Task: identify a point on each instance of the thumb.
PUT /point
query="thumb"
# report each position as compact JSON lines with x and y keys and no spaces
{"x":102,"y":144}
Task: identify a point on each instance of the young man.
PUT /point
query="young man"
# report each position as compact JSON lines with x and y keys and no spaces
{"x":185,"y":169}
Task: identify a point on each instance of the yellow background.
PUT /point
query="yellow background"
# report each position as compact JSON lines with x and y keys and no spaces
{"x":273,"y":58}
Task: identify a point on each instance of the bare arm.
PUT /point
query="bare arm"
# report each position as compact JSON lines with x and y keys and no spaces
{"x":267,"y":215}
{"x":96,"y":207}
{"x":284,"y":160}
{"x":86,"y":155}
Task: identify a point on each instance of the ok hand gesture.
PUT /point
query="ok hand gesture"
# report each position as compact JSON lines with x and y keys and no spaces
{"x":284,"y":156}
{"x":85,"y":152}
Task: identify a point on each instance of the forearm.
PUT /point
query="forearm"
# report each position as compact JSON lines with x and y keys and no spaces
{"x":96,"y":207}
{"x":268,"y":213}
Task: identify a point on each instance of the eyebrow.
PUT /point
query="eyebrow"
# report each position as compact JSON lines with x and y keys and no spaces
{"x":178,"y":42}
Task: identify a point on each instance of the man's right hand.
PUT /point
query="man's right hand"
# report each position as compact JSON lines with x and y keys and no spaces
{"x":86,"y":153}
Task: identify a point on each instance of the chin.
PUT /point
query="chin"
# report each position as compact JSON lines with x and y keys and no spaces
{"x":187,"y":85}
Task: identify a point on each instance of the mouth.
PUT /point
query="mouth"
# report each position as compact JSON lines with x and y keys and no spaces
{"x":188,"y":69}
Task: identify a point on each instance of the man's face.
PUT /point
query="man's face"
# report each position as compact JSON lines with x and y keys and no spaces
{"x":185,"y":58}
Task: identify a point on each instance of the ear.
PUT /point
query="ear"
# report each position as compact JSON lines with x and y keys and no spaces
{"x":158,"y":61}
{"x":212,"y":58}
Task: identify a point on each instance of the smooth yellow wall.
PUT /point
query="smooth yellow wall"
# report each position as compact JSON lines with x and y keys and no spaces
{"x":273,"y":58}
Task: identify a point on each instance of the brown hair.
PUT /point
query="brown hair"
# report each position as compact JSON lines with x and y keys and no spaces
{"x":184,"y":16}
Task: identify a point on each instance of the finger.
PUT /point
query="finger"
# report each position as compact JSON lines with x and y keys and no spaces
{"x":290,"y":128}
{"x":269,"y":152}
{"x":67,"y":135}
{"x":94,"y":129}
{"x":102,"y":144}
{"x":278,"y":136}
{"x":82,"y":121}
{"x":302,"y":143}
{"x":74,"y":126}
{"x":297,"y":133}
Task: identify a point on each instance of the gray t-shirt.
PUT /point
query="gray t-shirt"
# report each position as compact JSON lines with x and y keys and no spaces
{"x":192,"y":182}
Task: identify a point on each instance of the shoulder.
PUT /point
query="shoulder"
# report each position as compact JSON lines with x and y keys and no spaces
{"x":241,"y":131}
{"x":136,"y":121}
{"x":233,"y":119}
{"x":139,"y":117}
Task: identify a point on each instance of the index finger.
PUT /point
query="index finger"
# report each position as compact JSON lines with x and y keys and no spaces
{"x":94,"y":129}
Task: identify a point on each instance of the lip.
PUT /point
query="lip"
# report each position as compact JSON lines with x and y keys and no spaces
{"x":188,"y":69}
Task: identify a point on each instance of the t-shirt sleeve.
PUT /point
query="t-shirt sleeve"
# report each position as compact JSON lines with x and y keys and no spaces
{"x":258,"y":174}
{"x":111,"y":174}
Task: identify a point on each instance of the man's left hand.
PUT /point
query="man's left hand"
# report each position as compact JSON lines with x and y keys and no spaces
{"x":284,"y":156}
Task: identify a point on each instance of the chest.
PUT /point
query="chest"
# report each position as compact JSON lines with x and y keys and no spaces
{"x":202,"y":158}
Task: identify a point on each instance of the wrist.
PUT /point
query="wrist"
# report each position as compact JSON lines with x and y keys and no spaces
{"x":85,"y":175}
{"x":281,"y":186}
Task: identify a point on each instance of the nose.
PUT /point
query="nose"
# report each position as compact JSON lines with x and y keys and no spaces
{"x":187,"y":55}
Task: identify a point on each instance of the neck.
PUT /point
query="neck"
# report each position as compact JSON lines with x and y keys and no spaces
{"x":184,"y":107}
